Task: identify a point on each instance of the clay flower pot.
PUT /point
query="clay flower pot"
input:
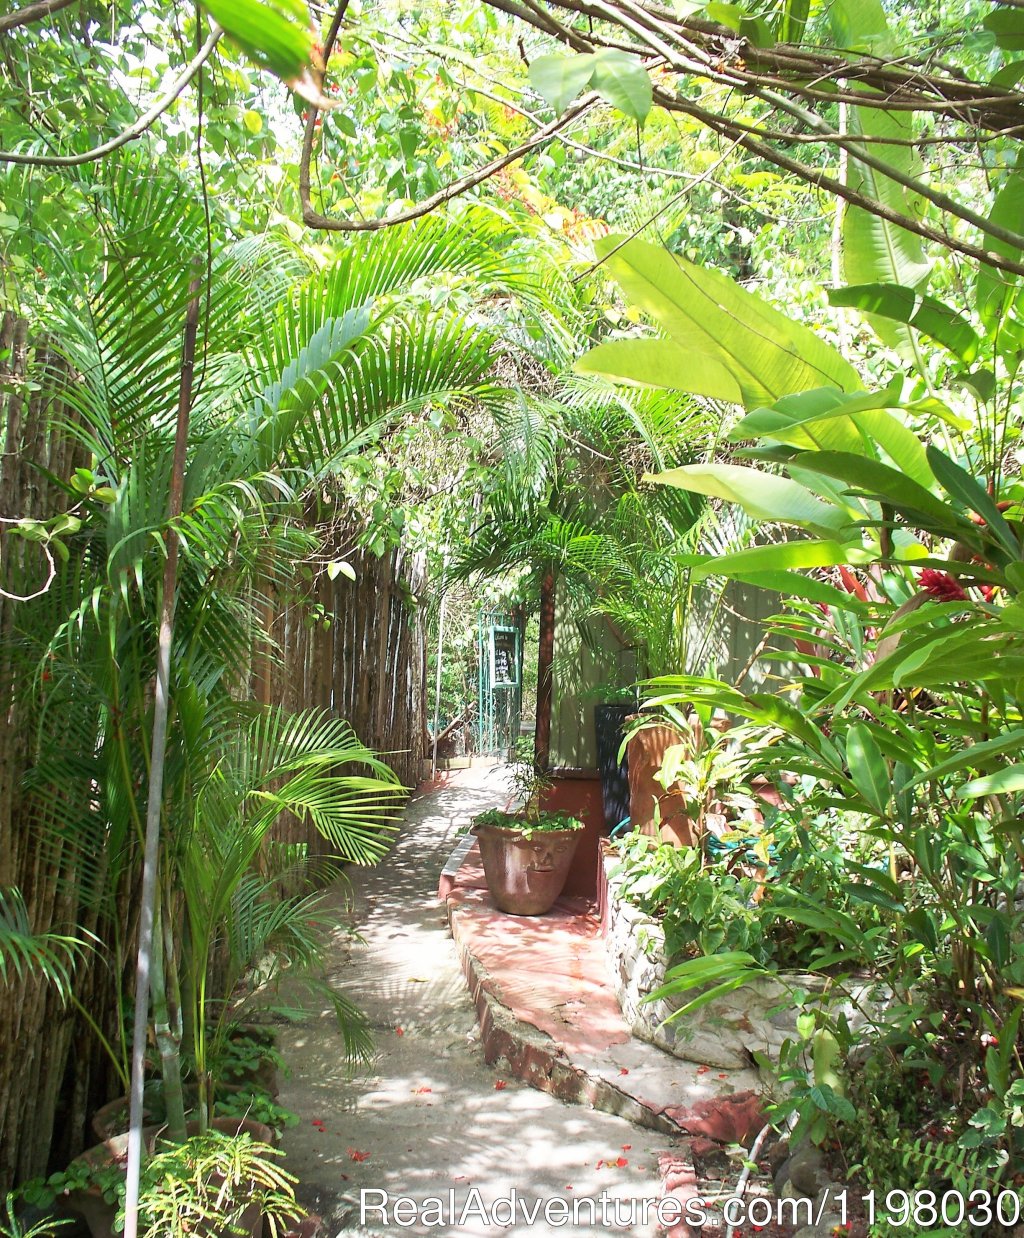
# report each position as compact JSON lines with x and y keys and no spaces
{"x":526,"y":868}
{"x":88,"y":1202}
{"x":645,"y":754}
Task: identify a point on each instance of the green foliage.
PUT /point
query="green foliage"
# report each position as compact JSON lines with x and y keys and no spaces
{"x":539,"y":823}
{"x":209,"y":1179}
{"x":213,"y":1179}
{"x":243,"y":1052}
{"x":257,"y":1104}
{"x":12,"y":1226}
{"x":498,"y":817}
{"x":703,"y":908}
{"x":886,"y":1151}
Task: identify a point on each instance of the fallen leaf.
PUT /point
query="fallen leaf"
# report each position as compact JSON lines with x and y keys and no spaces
{"x":569,"y":1186}
{"x":723,"y":1076}
{"x":621,"y":1162}
{"x":500,"y":1085}
{"x":703,"y":1070}
{"x":356,"y":1155}
{"x":623,"y":1070}
{"x":420,"y":1091}
{"x":627,"y":1147}
{"x":399,"y":1032}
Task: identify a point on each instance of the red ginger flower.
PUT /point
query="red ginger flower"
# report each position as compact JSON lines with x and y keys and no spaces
{"x":940,"y":585}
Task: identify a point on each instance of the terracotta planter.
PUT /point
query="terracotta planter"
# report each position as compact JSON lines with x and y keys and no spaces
{"x":525,"y":875}
{"x":644,"y":756}
{"x":99,"y":1215}
{"x":89,"y":1204}
{"x":112,"y":1118}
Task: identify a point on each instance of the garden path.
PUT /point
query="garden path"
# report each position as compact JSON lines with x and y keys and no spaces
{"x":430,"y":1116}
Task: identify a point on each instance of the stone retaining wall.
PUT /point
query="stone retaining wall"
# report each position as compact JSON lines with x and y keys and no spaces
{"x":725,"y":1032}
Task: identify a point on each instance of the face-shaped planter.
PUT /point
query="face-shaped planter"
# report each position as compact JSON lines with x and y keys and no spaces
{"x":525,"y":875}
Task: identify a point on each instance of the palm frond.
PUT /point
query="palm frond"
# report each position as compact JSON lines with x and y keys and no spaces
{"x":24,"y":952}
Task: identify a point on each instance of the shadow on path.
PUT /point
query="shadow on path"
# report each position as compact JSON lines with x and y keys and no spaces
{"x":430,"y":1116}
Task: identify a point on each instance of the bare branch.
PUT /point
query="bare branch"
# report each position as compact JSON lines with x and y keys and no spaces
{"x":819,"y":178}
{"x":803,"y":72}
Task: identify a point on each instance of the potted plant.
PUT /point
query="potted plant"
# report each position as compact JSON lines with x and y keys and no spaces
{"x":221,"y":1182}
{"x":526,"y":853}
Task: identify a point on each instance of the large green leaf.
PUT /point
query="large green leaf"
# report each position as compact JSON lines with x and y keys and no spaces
{"x":792,"y":21}
{"x":1010,"y":741}
{"x":276,"y":36}
{"x":794,"y":584}
{"x":833,"y":420}
{"x":623,"y":81}
{"x":618,"y":77}
{"x":765,"y":496}
{"x":782,"y":556}
{"x":559,"y":79}
{"x":663,"y":363}
{"x":957,"y":482}
{"x":1002,"y":782}
{"x":787,"y":418}
{"x":875,"y":250}
{"x":995,"y":290}
{"x":868,"y":770}
{"x":1007,"y":25}
{"x":918,"y":310}
{"x":888,"y":485}
{"x":708,"y":316}
{"x":860,"y":26}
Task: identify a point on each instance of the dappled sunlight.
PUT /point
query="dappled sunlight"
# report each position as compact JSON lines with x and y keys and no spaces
{"x":428,"y":1115}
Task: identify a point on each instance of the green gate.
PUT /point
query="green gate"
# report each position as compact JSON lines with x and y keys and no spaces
{"x":500,"y":682}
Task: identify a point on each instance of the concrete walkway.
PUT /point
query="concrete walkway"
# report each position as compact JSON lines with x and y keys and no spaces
{"x":432,"y":1117}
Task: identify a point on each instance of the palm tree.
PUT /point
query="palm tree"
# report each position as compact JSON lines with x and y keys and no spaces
{"x":569,"y":501}
{"x":291,"y":380}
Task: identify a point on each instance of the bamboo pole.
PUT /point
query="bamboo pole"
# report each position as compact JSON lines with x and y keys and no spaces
{"x":158,"y":752}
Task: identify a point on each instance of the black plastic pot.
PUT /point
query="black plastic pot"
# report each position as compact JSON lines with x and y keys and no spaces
{"x":609,"y":721}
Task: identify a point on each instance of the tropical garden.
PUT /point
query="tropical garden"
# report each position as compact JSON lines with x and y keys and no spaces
{"x":312,"y":315}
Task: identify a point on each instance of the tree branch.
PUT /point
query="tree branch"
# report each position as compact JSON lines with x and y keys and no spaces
{"x":31,"y":13}
{"x":798,"y":70}
{"x":134,"y":130}
{"x":325,"y":223}
{"x":821,"y":180}
{"x":315,"y":219}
